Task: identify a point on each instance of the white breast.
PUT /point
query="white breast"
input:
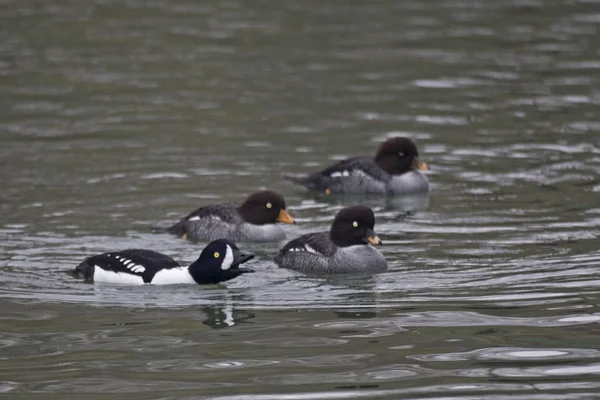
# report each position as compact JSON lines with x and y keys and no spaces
{"x":103,"y":276}
{"x":173,"y":276}
{"x":410,"y":182}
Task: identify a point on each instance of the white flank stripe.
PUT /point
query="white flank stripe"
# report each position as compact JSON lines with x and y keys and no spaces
{"x":103,"y":276}
{"x":194,"y":218}
{"x":228,"y":260}
{"x":335,"y":174}
{"x":172,"y":276}
{"x":310,"y":249}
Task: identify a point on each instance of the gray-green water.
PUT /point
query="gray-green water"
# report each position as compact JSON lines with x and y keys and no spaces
{"x":115,"y":115}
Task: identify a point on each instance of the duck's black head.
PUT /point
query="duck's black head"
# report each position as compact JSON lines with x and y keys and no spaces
{"x":219,"y":262}
{"x":399,"y":155}
{"x":265,"y":207}
{"x":354,"y":225}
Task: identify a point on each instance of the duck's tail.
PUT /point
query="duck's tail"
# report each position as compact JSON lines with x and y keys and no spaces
{"x":178,"y":229}
{"x":163,"y":228}
{"x":83,"y":271}
{"x":301,"y":179}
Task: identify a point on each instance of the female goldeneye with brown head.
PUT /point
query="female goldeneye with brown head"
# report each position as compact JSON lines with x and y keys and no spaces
{"x":344,"y":249}
{"x":219,"y":262}
{"x":252,"y":221}
{"x":393,"y":171}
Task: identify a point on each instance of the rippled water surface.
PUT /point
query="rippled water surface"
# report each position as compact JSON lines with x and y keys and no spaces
{"x":117,"y":115}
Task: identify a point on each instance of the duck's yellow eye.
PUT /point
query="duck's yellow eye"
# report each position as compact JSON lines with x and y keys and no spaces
{"x":269,"y":205}
{"x":355,"y":224}
{"x":216,"y":254}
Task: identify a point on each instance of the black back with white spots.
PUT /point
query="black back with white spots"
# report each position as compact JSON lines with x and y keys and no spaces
{"x":138,"y":262}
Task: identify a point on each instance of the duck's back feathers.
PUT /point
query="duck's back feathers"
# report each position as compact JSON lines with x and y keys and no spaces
{"x":355,"y":166}
{"x":354,"y":175}
{"x":209,"y":223}
{"x":315,"y":243}
{"x":310,"y":252}
{"x":226,"y":213}
{"x":133,"y":265}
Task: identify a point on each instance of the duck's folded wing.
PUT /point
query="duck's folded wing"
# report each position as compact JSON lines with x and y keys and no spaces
{"x":315,"y":243}
{"x":356,"y":166}
{"x":355,"y":169}
{"x":134,"y":261}
{"x":227,"y":213}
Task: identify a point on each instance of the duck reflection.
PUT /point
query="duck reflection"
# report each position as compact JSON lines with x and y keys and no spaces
{"x":408,"y":204}
{"x":219,"y":317}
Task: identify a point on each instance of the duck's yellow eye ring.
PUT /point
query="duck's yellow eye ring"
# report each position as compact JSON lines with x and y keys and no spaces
{"x":216,"y":254}
{"x":269,"y":205}
{"x":355,"y":224}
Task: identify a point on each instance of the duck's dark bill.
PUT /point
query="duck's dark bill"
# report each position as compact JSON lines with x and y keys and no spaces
{"x":241,"y":258}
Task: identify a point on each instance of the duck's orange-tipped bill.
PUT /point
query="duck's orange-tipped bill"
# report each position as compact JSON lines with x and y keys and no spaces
{"x":374,"y":240}
{"x":285,"y":217}
{"x":420,"y":165}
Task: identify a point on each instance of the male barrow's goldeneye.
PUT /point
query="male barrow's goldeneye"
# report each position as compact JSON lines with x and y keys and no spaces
{"x":345,"y":248}
{"x":252,"y":221}
{"x":218,"y":262}
{"x":393,"y":171}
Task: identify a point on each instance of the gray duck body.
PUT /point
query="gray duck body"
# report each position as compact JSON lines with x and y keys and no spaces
{"x":393,"y":171}
{"x":344,"y":249}
{"x":316,"y":253}
{"x":254,"y":220}
{"x":218,"y":221}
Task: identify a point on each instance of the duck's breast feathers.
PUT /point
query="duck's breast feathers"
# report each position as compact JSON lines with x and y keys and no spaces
{"x":133,"y":262}
{"x":410,"y":182}
{"x":313,"y":243}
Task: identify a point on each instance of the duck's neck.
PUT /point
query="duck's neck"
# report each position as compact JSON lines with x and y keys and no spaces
{"x":391,"y":164}
{"x":203,"y":275}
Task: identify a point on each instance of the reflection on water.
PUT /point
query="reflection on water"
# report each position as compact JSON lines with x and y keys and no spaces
{"x":225,"y":317}
{"x":117,"y":116}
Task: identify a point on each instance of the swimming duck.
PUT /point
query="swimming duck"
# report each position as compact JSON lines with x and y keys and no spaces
{"x":252,"y":221}
{"x":218,"y":262}
{"x":345,"y":248}
{"x":393,"y":171}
